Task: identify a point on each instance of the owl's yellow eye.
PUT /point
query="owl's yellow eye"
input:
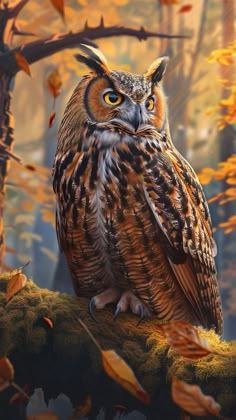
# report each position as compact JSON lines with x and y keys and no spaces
{"x":150,"y":104}
{"x":113,"y":98}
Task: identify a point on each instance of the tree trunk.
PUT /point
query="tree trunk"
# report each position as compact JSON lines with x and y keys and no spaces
{"x":7,"y":137}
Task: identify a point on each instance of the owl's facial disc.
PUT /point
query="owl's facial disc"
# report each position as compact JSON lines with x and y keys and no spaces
{"x":111,"y":105}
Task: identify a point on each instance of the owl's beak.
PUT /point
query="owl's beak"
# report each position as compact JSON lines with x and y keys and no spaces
{"x":137,"y":118}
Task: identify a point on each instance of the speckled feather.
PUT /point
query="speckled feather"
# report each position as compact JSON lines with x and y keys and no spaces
{"x":130,"y":209}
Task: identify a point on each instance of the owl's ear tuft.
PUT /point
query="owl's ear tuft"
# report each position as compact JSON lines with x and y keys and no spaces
{"x":94,"y":59}
{"x":157,"y":69}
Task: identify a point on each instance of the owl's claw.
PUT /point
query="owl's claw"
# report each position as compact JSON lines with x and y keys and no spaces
{"x":140,"y":313}
{"x":117,"y":311}
{"x":92,"y":305}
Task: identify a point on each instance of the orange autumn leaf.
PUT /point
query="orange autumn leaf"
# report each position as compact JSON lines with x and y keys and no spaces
{"x":22,"y":62}
{"x":54,"y":83}
{"x":168,"y":2}
{"x":84,"y":408}
{"x":48,"y":415}
{"x":186,"y":8}
{"x":30,"y":167}
{"x":185,"y":340}
{"x":59,"y":6}
{"x":191,"y":399}
{"x":119,"y":371}
{"x":6,"y":373}
{"x":15,"y":284}
{"x":48,"y":321}
{"x":51,"y":119}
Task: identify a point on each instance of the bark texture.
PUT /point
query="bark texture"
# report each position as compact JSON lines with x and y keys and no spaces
{"x":64,"y":359}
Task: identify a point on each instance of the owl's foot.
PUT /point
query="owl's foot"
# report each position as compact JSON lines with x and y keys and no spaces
{"x":111,"y":295}
{"x":129,"y":301}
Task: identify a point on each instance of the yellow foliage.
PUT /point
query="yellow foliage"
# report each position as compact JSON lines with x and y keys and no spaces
{"x":227,"y":106}
{"x":223,"y":55}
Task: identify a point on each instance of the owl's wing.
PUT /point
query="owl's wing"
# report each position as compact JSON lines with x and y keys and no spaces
{"x":177,"y":201}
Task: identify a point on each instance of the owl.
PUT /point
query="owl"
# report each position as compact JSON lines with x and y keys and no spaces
{"x":131,"y":216}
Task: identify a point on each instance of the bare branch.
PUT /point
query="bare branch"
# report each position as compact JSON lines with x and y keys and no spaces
{"x":17,"y":31}
{"x":36,"y":50}
{"x":14,"y":11}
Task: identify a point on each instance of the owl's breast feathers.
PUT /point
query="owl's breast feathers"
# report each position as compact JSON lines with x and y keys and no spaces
{"x":135,"y":213}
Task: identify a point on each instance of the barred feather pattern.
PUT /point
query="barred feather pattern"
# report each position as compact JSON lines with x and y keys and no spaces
{"x":131,"y":212}
{"x":127,"y":218}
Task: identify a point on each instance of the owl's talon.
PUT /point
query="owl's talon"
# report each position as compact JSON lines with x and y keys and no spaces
{"x":92,"y":305}
{"x":117,"y":311}
{"x":140,"y":313}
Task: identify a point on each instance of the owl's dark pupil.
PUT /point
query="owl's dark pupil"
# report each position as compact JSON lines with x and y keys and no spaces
{"x":113,"y":98}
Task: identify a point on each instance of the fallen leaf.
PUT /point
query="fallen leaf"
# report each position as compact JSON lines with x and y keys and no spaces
{"x":185,"y":340}
{"x":120,"y":372}
{"x":185,"y":8}
{"x":48,"y":415}
{"x":18,"y":397}
{"x":22,"y":62}
{"x":15,"y":284}
{"x":83,"y":409}
{"x":6,"y":373}
{"x":30,"y":167}
{"x":168,"y":2}
{"x":51,"y":119}
{"x":48,"y":321}
{"x":54,"y":83}
{"x":59,"y":6}
{"x":191,"y":399}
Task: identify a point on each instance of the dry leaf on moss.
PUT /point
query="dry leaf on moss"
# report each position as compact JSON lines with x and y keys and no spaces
{"x":15,"y":284}
{"x":22,"y":62}
{"x":84,"y":408}
{"x":120,"y":372}
{"x":191,"y":399}
{"x":48,"y":321}
{"x":6,"y":373}
{"x":185,"y":340}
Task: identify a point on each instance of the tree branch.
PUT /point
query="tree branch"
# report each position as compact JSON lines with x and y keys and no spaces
{"x":15,"y":10}
{"x":62,"y":358}
{"x":36,"y":50}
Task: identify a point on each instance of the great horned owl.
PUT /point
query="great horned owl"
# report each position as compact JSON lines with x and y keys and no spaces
{"x":132,"y":218}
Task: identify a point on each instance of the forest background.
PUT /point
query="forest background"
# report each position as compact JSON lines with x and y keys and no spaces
{"x":202,"y":106}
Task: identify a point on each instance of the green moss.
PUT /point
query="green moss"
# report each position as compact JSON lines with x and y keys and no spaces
{"x":68,"y":352}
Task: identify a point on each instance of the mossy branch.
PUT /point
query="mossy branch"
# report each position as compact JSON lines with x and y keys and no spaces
{"x":64,"y":359}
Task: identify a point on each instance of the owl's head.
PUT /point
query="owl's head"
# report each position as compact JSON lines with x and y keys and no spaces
{"x":117,"y":101}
